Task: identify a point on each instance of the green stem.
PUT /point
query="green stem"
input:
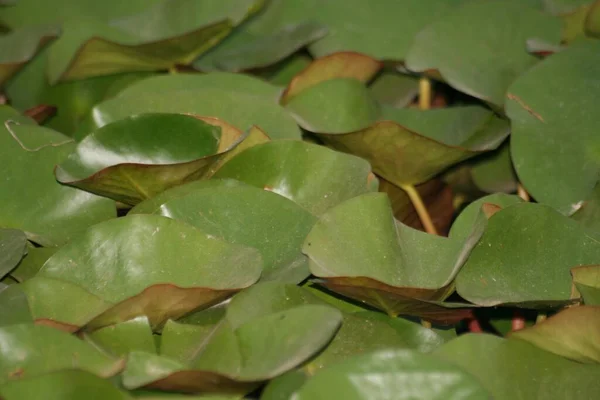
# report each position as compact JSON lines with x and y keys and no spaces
{"x":424,"y":93}
{"x":417,"y":202}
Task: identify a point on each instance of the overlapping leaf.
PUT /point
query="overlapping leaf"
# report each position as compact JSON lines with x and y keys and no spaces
{"x":587,"y":282}
{"x":135,"y":158}
{"x":32,"y":200}
{"x":14,"y":307}
{"x":12,"y":249}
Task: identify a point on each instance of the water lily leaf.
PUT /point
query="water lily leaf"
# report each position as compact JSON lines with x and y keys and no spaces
{"x":139,"y":283}
{"x":237,"y":359}
{"x":428,"y":141}
{"x":14,"y":308}
{"x":32,"y":262}
{"x":385,"y":263}
{"x":390,"y":373}
{"x":33,"y":350}
{"x":314,"y":177}
{"x":394,"y":89}
{"x":244,"y":51}
{"x":544,"y":141}
{"x":282,"y":73}
{"x":243,"y":215}
{"x":587,"y":283}
{"x":284,"y":386}
{"x":495,"y":172}
{"x":122,"y":338}
{"x":573,"y":333}
{"x":61,"y":385}
{"x":588,"y":214}
{"x":20,"y":46}
{"x":135,"y":158}
{"x":339,"y":65}
{"x":12,"y":249}
{"x":524,"y":257}
{"x":479,"y":47}
{"x":520,"y":370}
{"x":32,"y":200}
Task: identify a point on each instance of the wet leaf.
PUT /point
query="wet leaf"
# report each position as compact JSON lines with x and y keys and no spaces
{"x":391,"y":373}
{"x":544,"y":141}
{"x":519,"y":369}
{"x":122,"y":338}
{"x":32,"y":200}
{"x":138,"y":283}
{"x":524,"y":257}
{"x":12,"y":249}
{"x":314,"y":177}
{"x":479,"y":47}
{"x":31,"y":350}
{"x":587,"y":282}
{"x":573,"y":333}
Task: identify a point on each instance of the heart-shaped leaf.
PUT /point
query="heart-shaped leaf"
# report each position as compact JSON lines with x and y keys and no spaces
{"x":29,"y":350}
{"x":385,"y":263}
{"x":32,"y":200}
{"x":543,"y":140}
{"x":314,"y":177}
{"x":573,"y":333}
{"x":479,"y":47}
{"x":375,"y":376}
{"x":524,"y":257}
{"x":587,"y":283}
{"x":519,"y":369}
{"x":135,"y":158}
{"x":138,"y":283}
{"x":12,"y":249}
{"x":244,"y":215}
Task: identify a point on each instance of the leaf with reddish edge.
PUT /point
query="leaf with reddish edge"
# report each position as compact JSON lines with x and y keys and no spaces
{"x":573,"y":333}
{"x":586,"y":281}
{"x":121,"y":161}
{"x":337,"y":65}
{"x":102,"y":263}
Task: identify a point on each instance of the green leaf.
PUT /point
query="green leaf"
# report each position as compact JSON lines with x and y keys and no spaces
{"x":122,"y":338}
{"x":514,"y":369}
{"x":479,"y":47}
{"x":135,"y":158}
{"x":62,"y":385}
{"x":31,"y":350}
{"x":545,"y":138}
{"x":390,"y":374}
{"x":394,"y":89}
{"x":20,"y":46}
{"x":573,"y":333}
{"x":587,"y":282}
{"x":557,"y":7}
{"x":12,"y":249}
{"x":524,"y":257}
{"x":243,"y":215}
{"x":14,"y":308}
{"x":592,"y":21}
{"x":382,"y":259}
{"x":244,"y":51}
{"x":588,"y":214}
{"x":494,"y":172}
{"x":32,"y":200}
{"x":314,"y":177}
{"x":32,"y":262}
{"x":136,"y":283}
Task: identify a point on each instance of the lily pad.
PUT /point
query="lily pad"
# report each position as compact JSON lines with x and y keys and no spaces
{"x":385,"y":263}
{"x":244,"y":215}
{"x":587,"y":282}
{"x":32,"y":262}
{"x":61,"y":385}
{"x":142,"y":283}
{"x":520,"y":370}
{"x":314,"y":177}
{"x":524,"y":257}
{"x":122,"y":338}
{"x":30,"y":350}
{"x":479,"y":47}
{"x":375,"y":376}
{"x":12,"y":249}
{"x":135,"y":158}
{"x":32,"y":200}
{"x":573,"y":333}
{"x":543,"y":140}
{"x":14,"y":308}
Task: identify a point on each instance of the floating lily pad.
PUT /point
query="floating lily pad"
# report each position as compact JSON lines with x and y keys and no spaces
{"x":524,"y":257}
{"x":12,"y":249}
{"x":29,"y":350}
{"x":587,"y":282}
{"x":314,"y":177}
{"x":573,"y":333}
{"x":245,"y":215}
{"x":137,"y":283}
{"x":32,"y":200}
{"x":479,"y":47}
{"x":375,"y":376}
{"x":520,"y":370}
{"x":545,"y":140}
{"x":135,"y":158}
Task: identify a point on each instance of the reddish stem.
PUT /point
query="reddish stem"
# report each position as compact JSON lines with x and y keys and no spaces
{"x":518,"y":321}
{"x":474,"y":326}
